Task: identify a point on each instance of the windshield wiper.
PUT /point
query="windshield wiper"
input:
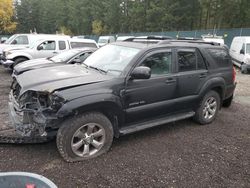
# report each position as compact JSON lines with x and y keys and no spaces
{"x":98,"y":69}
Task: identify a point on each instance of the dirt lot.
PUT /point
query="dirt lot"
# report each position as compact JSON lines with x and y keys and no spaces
{"x":181,"y":154}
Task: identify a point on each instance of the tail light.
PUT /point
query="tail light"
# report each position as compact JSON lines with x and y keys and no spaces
{"x":234,"y":74}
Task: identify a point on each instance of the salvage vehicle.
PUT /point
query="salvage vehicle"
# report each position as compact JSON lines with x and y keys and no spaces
{"x":43,"y":48}
{"x":68,"y":57}
{"x":240,"y":53}
{"x":120,"y":89}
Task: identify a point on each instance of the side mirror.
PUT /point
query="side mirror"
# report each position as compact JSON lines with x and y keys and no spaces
{"x":14,"y":42}
{"x":3,"y":41}
{"x":39,"y":48}
{"x":141,"y":72}
{"x":242,"y":51}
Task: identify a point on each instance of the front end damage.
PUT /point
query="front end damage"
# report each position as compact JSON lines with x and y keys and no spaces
{"x":34,"y":113}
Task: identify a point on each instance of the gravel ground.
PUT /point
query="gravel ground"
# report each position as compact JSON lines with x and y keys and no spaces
{"x":181,"y":154}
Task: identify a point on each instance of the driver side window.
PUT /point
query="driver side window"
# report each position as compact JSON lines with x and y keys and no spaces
{"x":47,"y":45}
{"x":159,"y":63}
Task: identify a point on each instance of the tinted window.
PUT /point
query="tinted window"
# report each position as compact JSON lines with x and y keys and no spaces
{"x":186,"y":61}
{"x":220,"y":56}
{"x":48,"y":45}
{"x":159,"y":63}
{"x":200,"y":62}
{"x":82,"y":45}
{"x":20,"y":40}
{"x":62,"y":45}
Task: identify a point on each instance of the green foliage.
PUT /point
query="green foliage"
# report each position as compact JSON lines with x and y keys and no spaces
{"x":122,"y":16}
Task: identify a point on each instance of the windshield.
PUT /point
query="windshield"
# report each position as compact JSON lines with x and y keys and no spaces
{"x":112,"y":58}
{"x":8,"y":41}
{"x":248,"y":49}
{"x":65,"y":56}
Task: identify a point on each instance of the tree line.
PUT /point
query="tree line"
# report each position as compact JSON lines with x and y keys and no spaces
{"x":124,"y":16}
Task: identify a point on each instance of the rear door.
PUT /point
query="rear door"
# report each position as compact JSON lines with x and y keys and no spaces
{"x":145,"y":99}
{"x":192,"y":74}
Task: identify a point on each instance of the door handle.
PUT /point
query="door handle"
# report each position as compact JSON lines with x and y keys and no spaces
{"x":203,"y":75}
{"x":170,"y":80}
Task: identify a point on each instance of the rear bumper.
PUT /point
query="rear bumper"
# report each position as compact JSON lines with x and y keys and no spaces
{"x":230,"y":91}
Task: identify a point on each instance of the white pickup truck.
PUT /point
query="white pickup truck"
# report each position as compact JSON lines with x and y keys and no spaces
{"x":42,"y":49}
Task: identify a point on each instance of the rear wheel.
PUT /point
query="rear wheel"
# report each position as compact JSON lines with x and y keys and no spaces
{"x":208,"y":109}
{"x":84,"y":137}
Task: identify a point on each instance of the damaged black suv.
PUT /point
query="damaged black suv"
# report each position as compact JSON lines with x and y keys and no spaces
{"x":120,"y":89}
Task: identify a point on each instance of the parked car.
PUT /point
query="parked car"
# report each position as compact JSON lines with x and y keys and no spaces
{"x":22,"y":41}
{"x":68,"y":57}
{"x":240,"y":52}
{"x":103,"y":40}
{"x":122,"y":88}
{"x":43,"y":48}
{"x":122,"y":38}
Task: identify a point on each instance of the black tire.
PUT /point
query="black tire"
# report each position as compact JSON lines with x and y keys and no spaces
{"x":199,"y":116}
{"x":19,"y":60}
{"x":70,"y":127}
{"x":227,"y":103}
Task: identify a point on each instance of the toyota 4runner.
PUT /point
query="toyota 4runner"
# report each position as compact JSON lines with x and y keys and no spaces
{"x":122,"y":88}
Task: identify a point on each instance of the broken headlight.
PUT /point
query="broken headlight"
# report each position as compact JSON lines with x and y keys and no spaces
{"x":55,"y":101}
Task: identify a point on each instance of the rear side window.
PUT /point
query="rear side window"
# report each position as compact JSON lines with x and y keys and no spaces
{"x":186,"y":61}
{"x":82,"y":45}
{"x":62,"y":45}
{"x":190,"y":60}
{"x":220,"y":56}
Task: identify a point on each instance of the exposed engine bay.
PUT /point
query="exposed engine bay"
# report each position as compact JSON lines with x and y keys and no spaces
{"x":33,"y":113}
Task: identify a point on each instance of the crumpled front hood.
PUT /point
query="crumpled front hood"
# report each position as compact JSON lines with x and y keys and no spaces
{"x":59,"y":77}
{"x":33,"y":64}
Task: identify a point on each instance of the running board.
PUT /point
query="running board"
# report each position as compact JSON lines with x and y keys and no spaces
{"x":156,"y":122}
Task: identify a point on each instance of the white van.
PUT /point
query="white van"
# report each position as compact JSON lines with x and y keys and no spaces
{"x":103,"y":40}
{"x":240,"y":53}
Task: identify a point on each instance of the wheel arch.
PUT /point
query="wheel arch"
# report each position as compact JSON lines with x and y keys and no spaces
{"x":111,"y":108}
{"x":216,"y":84}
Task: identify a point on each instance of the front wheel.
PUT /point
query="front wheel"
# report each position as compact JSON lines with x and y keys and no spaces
{"x":19,"y":60}
{"x":85,"y":136}
{"x":208,"y":109}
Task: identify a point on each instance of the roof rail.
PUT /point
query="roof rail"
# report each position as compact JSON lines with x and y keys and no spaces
{"x":188,"y":38}
{"x":190,"y":41}
{"x":148,"y":38}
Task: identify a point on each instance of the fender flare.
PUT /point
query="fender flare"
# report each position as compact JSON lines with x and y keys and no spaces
{"x":214,"y":83}
{"x":97,"y":102}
